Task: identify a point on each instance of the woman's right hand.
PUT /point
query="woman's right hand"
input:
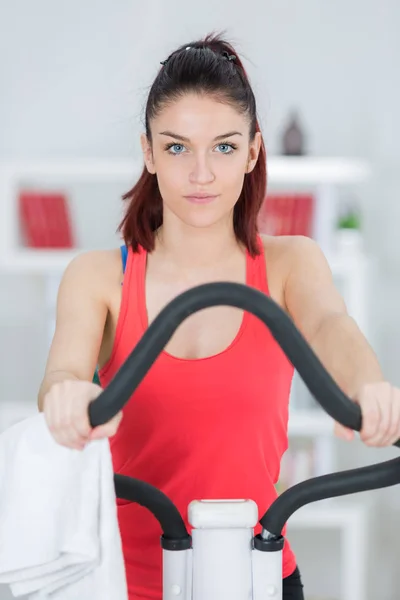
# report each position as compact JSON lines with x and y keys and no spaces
{"x":66,"y":411}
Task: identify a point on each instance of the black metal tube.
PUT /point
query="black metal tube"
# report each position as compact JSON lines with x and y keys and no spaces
{"x":317,"y":379}
{"x":134,"y":490}
{"x":343,"y":483}
{"x":303,"y":358}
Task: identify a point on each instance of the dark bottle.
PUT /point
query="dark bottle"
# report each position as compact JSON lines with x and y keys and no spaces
{"x":293,"y":137}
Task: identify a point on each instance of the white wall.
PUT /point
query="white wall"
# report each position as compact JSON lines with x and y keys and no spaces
{"x":73,"y":81}
{"x":75,"y":74}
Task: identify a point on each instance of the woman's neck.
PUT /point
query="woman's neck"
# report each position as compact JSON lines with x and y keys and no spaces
{"x":191,"y":248}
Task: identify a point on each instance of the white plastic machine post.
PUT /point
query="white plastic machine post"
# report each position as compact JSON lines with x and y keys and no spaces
{"x":222,"y":548}
{"x":267,"y":575}
{"x":177,"y":574}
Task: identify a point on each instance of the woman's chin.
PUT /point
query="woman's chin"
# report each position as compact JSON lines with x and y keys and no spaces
{"x":202,"y":221}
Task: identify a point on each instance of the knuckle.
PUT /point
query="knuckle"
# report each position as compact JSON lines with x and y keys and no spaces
{"x":61,"y":440}
{"x":64,"y":420}
{"x":83,"y":428}
{"x":370,"y":442}
{"x":368,"y":431}
{"x":55,"y":388}
{"x":372,"y":414}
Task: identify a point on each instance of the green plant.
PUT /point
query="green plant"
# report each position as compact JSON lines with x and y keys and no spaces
{"x":350,"y":220}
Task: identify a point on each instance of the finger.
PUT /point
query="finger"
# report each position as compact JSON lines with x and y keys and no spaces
{"x":371,"y":419}
{"x":64,"y":438}
{"x":70,"y":437}
{"x":108,"y":429}
{"x":51,"y":417}
{"x":394,"y":429}
{"x":81,"y":421}
{"x":65,"y":432}
{"x":48,"y":412}
{"x":73,"y":437}
{"x":384,"y":401}
{"x":343,"y":432}
{"x":385,"y":407}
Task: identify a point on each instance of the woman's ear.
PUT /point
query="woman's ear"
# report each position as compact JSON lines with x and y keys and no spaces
{"x":147,"y":154}
{"x":254,"y":151}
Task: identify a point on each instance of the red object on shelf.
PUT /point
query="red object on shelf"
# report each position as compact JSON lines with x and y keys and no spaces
{"x":45,"y":220}
{"x":287,"y":214}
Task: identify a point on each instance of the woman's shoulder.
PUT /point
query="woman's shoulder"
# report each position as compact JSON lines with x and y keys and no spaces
{"x":96,"y":261}
{"x":283,"y":254}
{"x":288,"y":247}
{"x":96,"y":270}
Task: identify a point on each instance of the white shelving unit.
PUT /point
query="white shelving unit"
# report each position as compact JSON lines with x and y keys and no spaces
{"x":352,"y":523}
{"x":323,"y":176}
{"x":310,"y":423}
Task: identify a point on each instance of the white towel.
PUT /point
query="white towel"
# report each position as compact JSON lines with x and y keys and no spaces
{"x":59,"y":534}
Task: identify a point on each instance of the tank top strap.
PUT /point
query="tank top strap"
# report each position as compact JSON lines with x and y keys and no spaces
{"x":133,"y":266}
{"x":257,"y":269}
{"x":124,"y":256}
{"x":256,"y":275}
{"x":127,"y":328}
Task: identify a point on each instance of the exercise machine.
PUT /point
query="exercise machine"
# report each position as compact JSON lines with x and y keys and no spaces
{"x":222,"y":558}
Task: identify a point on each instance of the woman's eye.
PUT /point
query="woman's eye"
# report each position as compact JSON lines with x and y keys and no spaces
{"x":225,"y":148}
{"x":176,"y":148}
{"x":180,"y":148}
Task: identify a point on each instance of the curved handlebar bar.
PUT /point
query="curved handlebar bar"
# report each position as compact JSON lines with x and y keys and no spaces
{"x":317,"y":379}
{"x":314,"y":375}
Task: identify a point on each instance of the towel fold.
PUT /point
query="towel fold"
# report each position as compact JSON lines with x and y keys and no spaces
{"x":59,"y":534}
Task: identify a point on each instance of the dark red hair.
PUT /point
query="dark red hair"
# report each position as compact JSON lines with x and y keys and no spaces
{"x":212,"y":67}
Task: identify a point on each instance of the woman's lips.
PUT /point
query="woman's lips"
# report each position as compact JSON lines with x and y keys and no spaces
{"x":201,"y":198}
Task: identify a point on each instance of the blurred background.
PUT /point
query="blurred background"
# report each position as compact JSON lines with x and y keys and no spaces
{"x":73,"y":83}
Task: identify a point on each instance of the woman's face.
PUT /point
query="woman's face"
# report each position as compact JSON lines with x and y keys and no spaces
{"x":200,"y":154}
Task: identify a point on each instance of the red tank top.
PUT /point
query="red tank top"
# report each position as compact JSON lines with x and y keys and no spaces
{"x":197,"y":429}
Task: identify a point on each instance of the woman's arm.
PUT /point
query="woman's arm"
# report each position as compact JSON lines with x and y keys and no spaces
{"x":319,"y":312}
{"x":80,"y":320}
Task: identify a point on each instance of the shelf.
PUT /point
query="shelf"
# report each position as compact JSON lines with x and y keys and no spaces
{"x":309,"y":170}
{"x":327,"y":517}
{"x":342,"y":264}
{"x":38,"y":261}
{"x":310,"y":423}
{"x":79,"y":169}
{"x":44,"y":261}
{"x":281,"y":169}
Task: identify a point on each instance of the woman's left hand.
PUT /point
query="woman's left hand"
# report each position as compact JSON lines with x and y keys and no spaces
{"x":380,"y":409}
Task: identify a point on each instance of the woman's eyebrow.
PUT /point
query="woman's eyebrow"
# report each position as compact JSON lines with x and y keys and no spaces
{"x":182,"y":138}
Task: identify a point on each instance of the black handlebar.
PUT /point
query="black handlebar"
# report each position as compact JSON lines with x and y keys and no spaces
{"x":317,"y":379}
{"x":314,"y":375}
{"x":343,"y":483}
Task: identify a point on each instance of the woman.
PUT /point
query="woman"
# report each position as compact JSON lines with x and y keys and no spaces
{"x":210,"y":418}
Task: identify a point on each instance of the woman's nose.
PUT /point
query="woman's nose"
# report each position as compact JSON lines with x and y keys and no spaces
{"x":201,"y":171}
